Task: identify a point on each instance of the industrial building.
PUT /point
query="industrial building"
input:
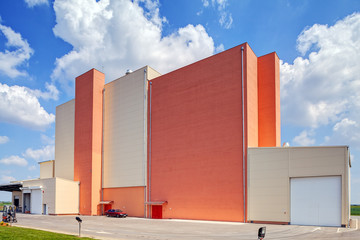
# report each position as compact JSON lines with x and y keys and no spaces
{"x":201,"y":142}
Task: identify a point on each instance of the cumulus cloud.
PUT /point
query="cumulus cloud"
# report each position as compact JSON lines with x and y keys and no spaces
{"x":42,"y":154}
{"x":14,"y":160}
{"x":3,"y":139}
{"x":321,"y":87}
{"x":113,"y":36}
{"x":20,"y":105}
{"x":305,"y":138}
{"x":51,"y":93}
{"x":345,"y":131}
{"x":33,"y":3}
{"x":17,"y":53}
{"x":225,"y":17}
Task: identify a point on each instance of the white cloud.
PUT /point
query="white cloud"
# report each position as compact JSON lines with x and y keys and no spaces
{"x":11,"y":60}
{"x":225,"y":17}
{"x":3,"y":139}
{"x":321,"y":88}
{"x":113,"y":36}
{"x":51,"y":93}
{"x":344,"y":124}
{"x":205,"y":3}
{"x":6,"y":179}
{"x":42,"y":154}
{"x":219,"y":48}
{"x":345,"y":132}
{"x":305,"y":138}
{"x":20,"y":105}
{"x":33,"y":3}
{"x":14,"y":160}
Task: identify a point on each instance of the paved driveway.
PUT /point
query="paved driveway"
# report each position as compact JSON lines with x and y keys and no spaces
{"x":102,"y":227}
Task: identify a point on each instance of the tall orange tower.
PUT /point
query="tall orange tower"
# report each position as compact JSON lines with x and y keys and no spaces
{"x":88,"y":139}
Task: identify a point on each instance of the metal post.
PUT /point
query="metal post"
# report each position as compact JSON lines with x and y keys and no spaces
{"x":243,"y":129}
{"x":145,"y":139}
{"x":150,"y":93}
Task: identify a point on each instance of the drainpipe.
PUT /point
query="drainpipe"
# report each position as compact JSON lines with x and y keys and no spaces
{"x":243,"y":129}
{"x":145,"y":142}
{"x":150,"y":98}
{"x":102,"y":151}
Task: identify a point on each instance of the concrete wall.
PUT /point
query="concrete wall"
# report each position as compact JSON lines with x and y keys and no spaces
{"x":47,"y":169}
{"x":48,"y":188}
{"x":270,"y":170}
{"x":60,"y":195}
{"x":125,"y":130}
{"x":67,"y":196}
{"x":64,"y":140}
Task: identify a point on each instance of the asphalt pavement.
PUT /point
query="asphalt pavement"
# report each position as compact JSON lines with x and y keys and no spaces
{"x":102,"y":227}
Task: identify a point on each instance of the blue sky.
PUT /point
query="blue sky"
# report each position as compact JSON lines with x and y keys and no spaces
{"x":45,"y":44}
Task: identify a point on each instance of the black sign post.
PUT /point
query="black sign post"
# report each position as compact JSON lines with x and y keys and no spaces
{"x":261,"y":233}
{"x":79,"y":221}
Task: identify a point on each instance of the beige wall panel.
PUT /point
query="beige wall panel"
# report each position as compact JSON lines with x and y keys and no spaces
{"x":67,"y":196}
{"x":152,"y":73}
{"x":270,"y":170}
{"x":48,"y":187}
{"x":64,"y":140}
{"x":316,"y":161}
{"x":125,"y":132}
{"x":47,"y":169}
{"x":268,"y":184}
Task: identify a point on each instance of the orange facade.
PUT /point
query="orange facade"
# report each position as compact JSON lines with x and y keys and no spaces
{"x":201,"y":120}
{"x":88,"y":139}
{"x":269,"y":100}
{"x":128,"y":199}
{"x":196,"y":140}
{"x":197,"y":162}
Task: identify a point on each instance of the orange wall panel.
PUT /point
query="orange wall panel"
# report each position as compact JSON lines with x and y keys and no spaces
{"x":128,"y":199}
{"x":269,"y":100}
{"x":87,"y":139}
{"x":196,"y":140}
{"x":251,"y":97}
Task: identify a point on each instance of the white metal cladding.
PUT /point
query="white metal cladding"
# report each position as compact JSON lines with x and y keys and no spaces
{"x":36,"y":201}
{"x":124,"y":132}
{"x":316,"y":201}
{"x":64,"y":140}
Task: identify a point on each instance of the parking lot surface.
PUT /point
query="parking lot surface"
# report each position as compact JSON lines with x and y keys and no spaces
{"x":101,"y":227}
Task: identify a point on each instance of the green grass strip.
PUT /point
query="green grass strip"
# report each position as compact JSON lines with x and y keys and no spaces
{"x":27,"y":233}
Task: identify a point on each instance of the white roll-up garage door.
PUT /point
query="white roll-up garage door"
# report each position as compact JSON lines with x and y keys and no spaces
{"x":316,"y":201}
{"x":36,"y":201}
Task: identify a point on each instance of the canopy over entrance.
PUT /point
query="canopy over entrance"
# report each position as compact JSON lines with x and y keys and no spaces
{"x":10,"y":187}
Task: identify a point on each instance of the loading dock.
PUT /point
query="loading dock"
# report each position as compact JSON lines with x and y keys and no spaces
{"x":299,"y":185}
{"x":316,"y":201}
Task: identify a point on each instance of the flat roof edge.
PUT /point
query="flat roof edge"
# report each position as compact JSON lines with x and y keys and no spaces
{"x":335,"y":146}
